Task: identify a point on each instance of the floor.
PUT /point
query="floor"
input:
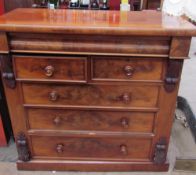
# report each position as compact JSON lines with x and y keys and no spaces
{"x":181,"y":144}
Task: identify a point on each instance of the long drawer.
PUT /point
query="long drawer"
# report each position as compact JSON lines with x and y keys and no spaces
{"x":91,"y":148}
{"x":50,"y":68}
{"x":90,"y":45}
{"x":126,"y":68}
{"x":47,"y":119}
{"x":91,"y":95}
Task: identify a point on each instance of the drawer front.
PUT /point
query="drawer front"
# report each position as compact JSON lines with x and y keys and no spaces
{"x":90,"y":120}
{"x":50,"y":68}
{"x":126,"y":69}
{"x":90,"y":44}
{"x":91,"y":148}
{"x":91,"y":95}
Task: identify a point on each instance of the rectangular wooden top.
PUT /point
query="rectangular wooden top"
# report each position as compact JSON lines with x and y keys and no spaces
{"x":146,"y":23}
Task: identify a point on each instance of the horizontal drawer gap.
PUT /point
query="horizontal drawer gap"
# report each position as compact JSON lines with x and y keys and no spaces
{"x":93,"y":81}
{"x":50,"y":81}
{"x":85,"y":161}
{"x":79,"y":134}
{"x":89,"y":53}
{"x":128,"y":81}
{"x":90,"y":159}
{"x":92,"y":108}
{"x":124,"y":83}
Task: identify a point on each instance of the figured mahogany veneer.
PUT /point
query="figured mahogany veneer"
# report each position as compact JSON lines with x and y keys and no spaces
{"x":91,"y":148}
{"x":127,"y":69}
{"x":100,"y":23}
{"x":91,"y":95}
{"x":83,"y":44}
{"x":71,"y":69}
{"x":39,"y":119}
{"x":92,"y":90}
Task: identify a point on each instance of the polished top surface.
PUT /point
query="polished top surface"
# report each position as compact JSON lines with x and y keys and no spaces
{"x":95,"y":22}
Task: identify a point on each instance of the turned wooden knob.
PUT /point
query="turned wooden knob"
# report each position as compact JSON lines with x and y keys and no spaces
{"x":128,"y":70}
{"x":126,"y":98}
{"x":123,"y":149}
{"x":57,"y":120}
{"x":49,"y":71}
{"x":60,"y":148}
{"x":53,"y":96}
{"x":125,"y":122}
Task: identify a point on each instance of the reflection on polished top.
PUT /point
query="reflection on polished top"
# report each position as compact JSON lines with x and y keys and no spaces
{"x":95,"y":22}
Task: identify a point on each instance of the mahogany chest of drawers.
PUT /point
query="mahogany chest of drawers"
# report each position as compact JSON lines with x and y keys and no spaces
{"x":92,"y":90}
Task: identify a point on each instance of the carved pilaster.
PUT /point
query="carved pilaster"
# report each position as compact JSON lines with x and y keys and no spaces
{"x":160,"y":152}
{"x":173,"y":74}
{"x":22,"y":146}
{"x":7,"y":71}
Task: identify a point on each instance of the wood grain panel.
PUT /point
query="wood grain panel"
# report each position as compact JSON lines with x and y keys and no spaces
{"x":127,"y":69}
{"x":43,"y":68}
{"x":93,"y":44}
{"x":42,"y":119}
{"x":91,"y":95}
{"x":4,"y":48}
{"x":91,"y":148}
{"x":180,"y":47}
{"x":91,"y":166}
{"x":16,"y":110}
{"x":101,"y":23}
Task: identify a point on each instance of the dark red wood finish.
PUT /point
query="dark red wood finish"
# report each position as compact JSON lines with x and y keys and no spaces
{"x":92,"y":94}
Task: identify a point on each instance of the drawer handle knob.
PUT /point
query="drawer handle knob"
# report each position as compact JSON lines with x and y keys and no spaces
{"x":49,"y":71}
{"x":125,"y":123}
{"x":126,"y":98}
{"x":57,"y":120}
{"x":123,"y":149}
{"x":128,"y":70}
{"x":60,"y":148}
{"x":53,"y":96}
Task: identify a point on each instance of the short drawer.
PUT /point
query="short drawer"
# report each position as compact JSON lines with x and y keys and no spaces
{"x":91,"y":148}
{"x":42,"y":119}
{"x":127,"y":69}
{"x":37,"y":68}
{"x":91,"y":95}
